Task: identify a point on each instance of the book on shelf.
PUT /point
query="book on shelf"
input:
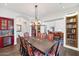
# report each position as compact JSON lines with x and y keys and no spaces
{"x":7,"y":41}
{"x":6,"y":33}
{"x":10,"y":26}
{"x":71,"y":20}
{"x":71,"y":26}
{"x":70,"y":36}
{"x":74,"y":20}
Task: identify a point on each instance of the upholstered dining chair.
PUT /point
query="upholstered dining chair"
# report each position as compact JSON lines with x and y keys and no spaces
{"x":53,"y":50}
{"x":38,"y":53}
{"x":39,"y":35}
{"x":30,"y":50}
{"x":56,"y":49}
{"x":43,"y":36}
{"x":50,"y":37}
{"x":26,"y":35}
{"x":60,"y":48}
{"x":23,"y":46}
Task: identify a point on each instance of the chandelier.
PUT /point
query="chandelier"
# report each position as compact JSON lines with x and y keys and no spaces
{"x":37,"y":21}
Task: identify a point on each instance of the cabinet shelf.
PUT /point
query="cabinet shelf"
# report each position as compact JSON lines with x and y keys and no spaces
{"x":71,"y":33}
{"x":71,"y":28}
{"x":71,"y":23}
{"x":6,"y":36}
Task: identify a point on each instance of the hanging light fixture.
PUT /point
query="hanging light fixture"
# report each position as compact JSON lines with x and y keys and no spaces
{"x":36,"y":11}
{"x":37,"y":22}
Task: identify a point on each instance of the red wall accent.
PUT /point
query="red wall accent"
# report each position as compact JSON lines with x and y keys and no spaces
{"x":1,"y":43}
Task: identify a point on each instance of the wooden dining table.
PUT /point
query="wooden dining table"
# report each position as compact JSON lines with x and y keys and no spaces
{"x":42,"y":45}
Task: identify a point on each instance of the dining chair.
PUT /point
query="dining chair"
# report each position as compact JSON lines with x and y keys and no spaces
{"x":39,"y":35}
{"x":43,"y":36}
{"x":26,"y":35}
{"x":56,"y":49}
{"x":23,"y":47}
{"x":50,"y":36}
{"x":52,"y":51}
{"x":30,"y":50}
{"x":38,"y":53}
{"x":60,"y":49}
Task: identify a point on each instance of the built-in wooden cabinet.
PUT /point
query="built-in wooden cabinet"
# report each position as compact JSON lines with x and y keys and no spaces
{"x":72,"y":31}
{"x":6,"y":32}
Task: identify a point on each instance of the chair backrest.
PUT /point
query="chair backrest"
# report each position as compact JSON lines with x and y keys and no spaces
{"x":43,"y":36}
{"x":53,"y":50}
{"x":58,"y":35}
{"x":26,"y":35}
{"x":20,"y":39}
{"x":59,"y":48}
{"x":56,"y":49}
{"x":50,"y":36}
{"x":28,"y":47}
{"x":30,"y":50}
{"x":39,"y":35}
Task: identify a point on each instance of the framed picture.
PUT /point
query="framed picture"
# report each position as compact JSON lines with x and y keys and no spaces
{"x":19,"y":28}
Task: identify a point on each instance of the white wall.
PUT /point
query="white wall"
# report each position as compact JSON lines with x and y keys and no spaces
{"x":58,"y":24}
{"x":20,"y":21}
{"x":49,"y":25}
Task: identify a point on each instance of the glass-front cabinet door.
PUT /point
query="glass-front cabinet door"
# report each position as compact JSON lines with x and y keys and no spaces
{"x":10,"y":24}
{"x":3,"y":24}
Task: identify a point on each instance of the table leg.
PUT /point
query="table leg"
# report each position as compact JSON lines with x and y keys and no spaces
{"x":46,"y":53}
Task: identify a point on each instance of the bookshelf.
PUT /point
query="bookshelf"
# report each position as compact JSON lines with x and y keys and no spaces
{"x":6,"y":32}
{"x":72,"y":31}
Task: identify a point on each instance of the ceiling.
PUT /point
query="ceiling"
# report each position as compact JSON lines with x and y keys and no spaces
{"x":44,"y":9}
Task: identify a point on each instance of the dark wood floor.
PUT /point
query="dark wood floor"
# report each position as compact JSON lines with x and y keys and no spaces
{"x":10,"y":51}
{"x":14,"y":51}
{"x":70,"y":52}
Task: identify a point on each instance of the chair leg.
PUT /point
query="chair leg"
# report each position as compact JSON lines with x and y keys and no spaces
{"x":20,"y":50}
{"x":24,"y":52}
